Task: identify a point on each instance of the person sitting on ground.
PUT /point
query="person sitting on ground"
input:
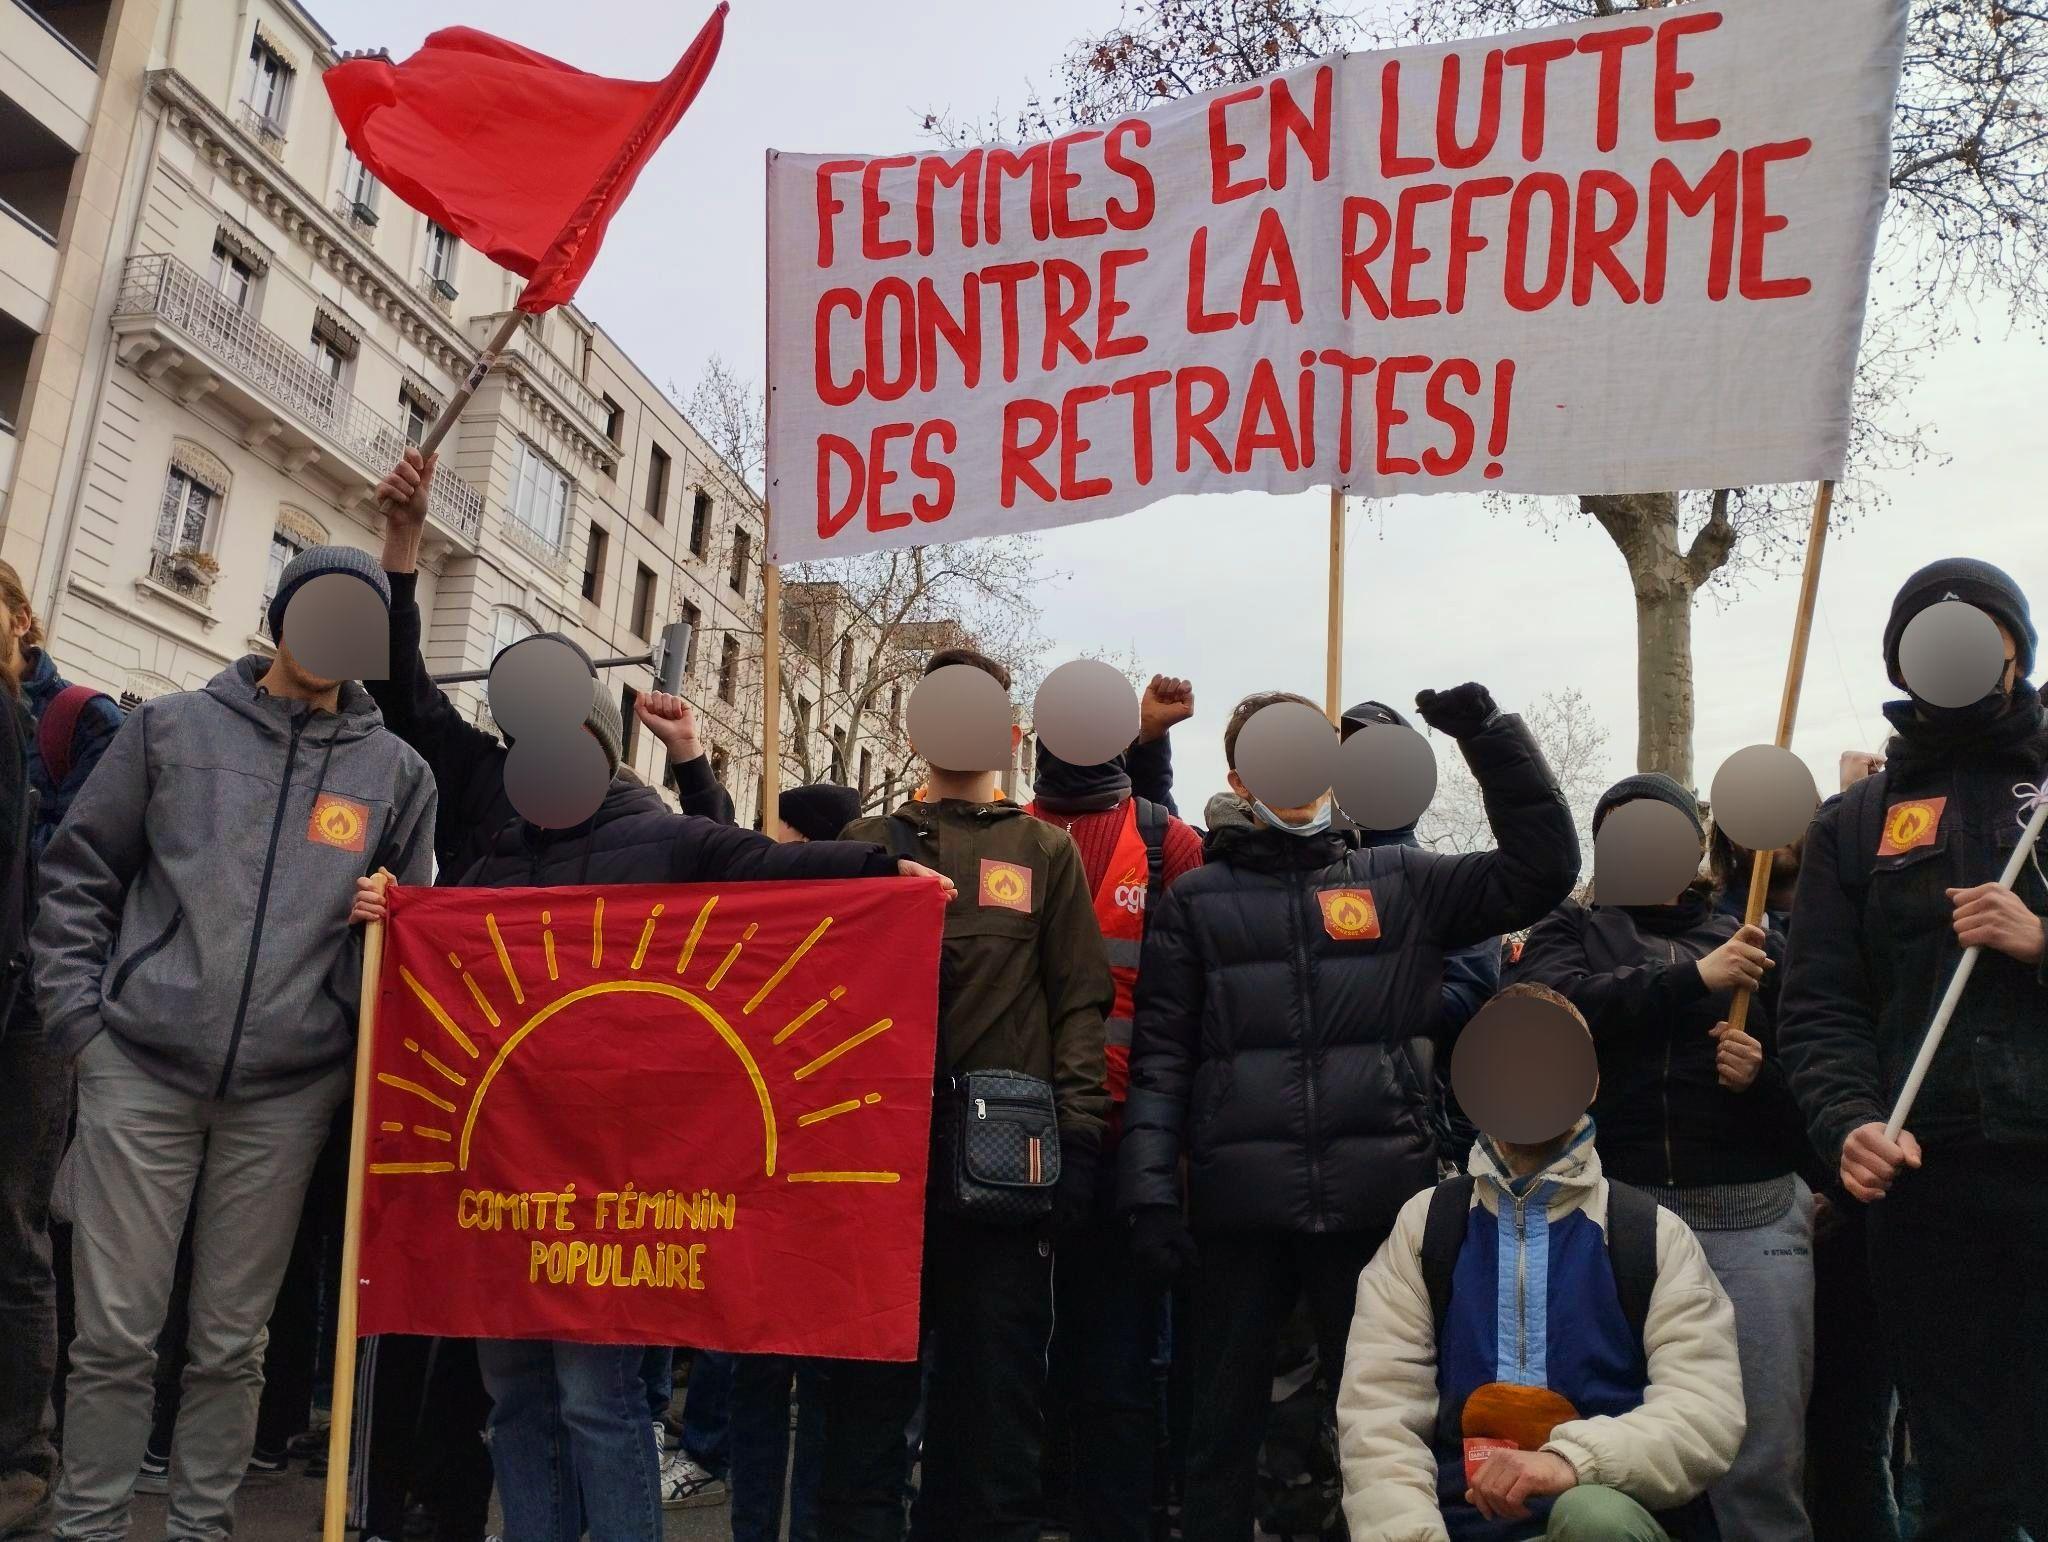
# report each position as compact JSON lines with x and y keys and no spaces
{"x":1627,"y":1378}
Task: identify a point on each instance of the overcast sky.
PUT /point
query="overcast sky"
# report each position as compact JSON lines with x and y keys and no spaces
{"x":1229,"y":590}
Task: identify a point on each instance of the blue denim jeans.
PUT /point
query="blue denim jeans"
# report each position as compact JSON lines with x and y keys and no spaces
{"x":570,"y":1419}
{"x":658,"y":1375}
{"x":760,"y":1446}
{"x":707,"y":1408}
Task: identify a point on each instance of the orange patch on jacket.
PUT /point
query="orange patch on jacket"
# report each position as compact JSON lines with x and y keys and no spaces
{"x":1005,"y":885}
{"x":1349,"y":914}
{"x":339,"y":822}
{"x":1909,"y":826}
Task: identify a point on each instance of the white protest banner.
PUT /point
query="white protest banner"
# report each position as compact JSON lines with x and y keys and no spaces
{"x":1622,"y":256}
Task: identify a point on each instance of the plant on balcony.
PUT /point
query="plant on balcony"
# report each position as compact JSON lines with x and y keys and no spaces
{"x":196,"y":567}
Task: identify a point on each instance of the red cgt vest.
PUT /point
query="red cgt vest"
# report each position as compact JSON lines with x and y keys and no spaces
{"x":1120,"y":913}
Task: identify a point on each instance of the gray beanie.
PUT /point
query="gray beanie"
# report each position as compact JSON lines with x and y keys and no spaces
{"x":1649,"y":784}
{"x":312,"y":563}
{"x":604,"y":722}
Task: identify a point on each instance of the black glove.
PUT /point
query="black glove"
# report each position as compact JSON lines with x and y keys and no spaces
{"x":1460,"y":712}
{"x":1161,"y":1244}
{"x":1073,"y":1198}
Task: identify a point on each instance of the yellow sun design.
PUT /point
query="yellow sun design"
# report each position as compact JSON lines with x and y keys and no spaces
{"x":455,"y":1078}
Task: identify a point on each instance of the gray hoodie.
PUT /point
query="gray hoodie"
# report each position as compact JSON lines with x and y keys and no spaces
{"x":196,"y":898}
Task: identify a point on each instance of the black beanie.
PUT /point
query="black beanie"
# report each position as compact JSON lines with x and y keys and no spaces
{"x":1974,"y":583}
{"x":819,"y":812}
{"x":1649,"y":784}
{"x":1370,"y":714}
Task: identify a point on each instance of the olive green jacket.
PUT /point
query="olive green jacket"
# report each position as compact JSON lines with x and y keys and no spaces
{"x":1024,"y":982}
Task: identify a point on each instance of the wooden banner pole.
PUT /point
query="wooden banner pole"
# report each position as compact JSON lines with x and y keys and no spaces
{"x":1333,"y":662}
{"x":1788,"y":708}
{"x":334,"y":1522}
{"x":771,"y":692}
{"x":493,"y":350}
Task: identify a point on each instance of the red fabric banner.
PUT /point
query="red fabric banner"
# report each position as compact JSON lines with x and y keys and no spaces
{"x":522,"y":156}
{"x":654,"y":1114}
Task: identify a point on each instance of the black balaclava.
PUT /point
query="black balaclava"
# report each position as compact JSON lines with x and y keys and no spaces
{"x":1064,"y":788}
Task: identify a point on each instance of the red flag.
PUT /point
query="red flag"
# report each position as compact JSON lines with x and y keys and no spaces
{"x":522,"y":156}
{"x":731,"y":1084}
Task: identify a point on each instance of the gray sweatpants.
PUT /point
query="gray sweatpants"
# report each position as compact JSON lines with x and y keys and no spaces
{"x":1768,"y":1274}
{"x":127,"y":1182}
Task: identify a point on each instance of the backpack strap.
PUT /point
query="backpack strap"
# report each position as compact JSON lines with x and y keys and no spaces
{"x":902,"y":838}
{"x":57,"y":728}
{"x":1152,"y":818}
{"x":1632,"y":1251}
{"x":1861,"y":827}
{"x":1443,"y":1239}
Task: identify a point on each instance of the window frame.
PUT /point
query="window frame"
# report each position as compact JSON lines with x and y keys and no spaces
{"x":660,"y":466}
{"x":226,"y":264}
{"x":178,"y":514}
{"x":646,"y":589}
{"x":701,"y":509}
{"x":596,"y":550}
{"x":729,"y":670}
{"x":742,"y":555}
{"x":272,"y":79}
{"x":528,"y":479}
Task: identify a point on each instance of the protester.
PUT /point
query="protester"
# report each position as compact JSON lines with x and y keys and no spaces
{"x":469,"y":763}
{"x":1289,"y":997}
{"x":1024,"y":989}
{"x":79,"y":723}
{"x":194,"y":956}
{"x":1899,"y":877}
{"x":28,"y":1327}
{"x":1106,"y":1316}
{"x":421,"y":1409}
{"x":1850,"y":1416}
{"x":765,"y":1388}
{"x":1700,"y":1117}
{"x":1471,"y":975}
{"x":1652,"y":1406}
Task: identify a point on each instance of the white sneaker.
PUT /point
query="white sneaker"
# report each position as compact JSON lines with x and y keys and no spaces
{"x":685,"y":1485}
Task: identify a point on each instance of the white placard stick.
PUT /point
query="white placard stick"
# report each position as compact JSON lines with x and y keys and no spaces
{"x":1961,"y":978}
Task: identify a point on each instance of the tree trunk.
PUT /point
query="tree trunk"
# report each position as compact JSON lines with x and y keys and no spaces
{"x":1665,"y":576}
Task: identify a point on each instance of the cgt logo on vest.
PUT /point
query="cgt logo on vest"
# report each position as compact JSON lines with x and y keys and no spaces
{"x":1129,"y":893}
{"x":1349,"y":915}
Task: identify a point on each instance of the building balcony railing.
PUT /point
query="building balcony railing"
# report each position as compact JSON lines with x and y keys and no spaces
{"x":267,"y":132}
{"x":180,"y":576}
{"x":536,"y":545}
{"x":163,"y":299}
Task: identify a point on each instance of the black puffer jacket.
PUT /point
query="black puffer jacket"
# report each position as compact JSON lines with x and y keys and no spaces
{"x":1284,"y":1036}
{"x":1874,"y":944}
{"x":1663,"y":1115}
{"x":634,"y":838}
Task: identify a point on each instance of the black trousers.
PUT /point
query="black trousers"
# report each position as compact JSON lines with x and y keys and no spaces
{"x":1959,"y":1263}
{"x":1102,"y":1396}
{"x":421,"y":1410}
{"x":1849,"y":1416}
{"x":1244,"y":1286}
{"x":988,"y":1315}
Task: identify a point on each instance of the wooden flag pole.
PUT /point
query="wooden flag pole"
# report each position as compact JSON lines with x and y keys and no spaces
{"x":771,"y":692}
{"x":493,"y":350}
{"x":334,"y":1521}
{"x":1333,"y":661}
{"x":1788,"y":710}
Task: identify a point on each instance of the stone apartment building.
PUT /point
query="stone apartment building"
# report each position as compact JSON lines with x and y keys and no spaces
{"x":216,"y":333}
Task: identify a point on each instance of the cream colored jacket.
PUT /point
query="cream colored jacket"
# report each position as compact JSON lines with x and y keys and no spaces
{"x":1682,"y":1438}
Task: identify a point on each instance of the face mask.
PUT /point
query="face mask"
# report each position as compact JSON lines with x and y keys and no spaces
{"x":1315,"y":826}
{"x":1979,"y":714}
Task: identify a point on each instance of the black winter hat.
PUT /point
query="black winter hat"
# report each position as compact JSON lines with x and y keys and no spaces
{"x":1974,"y":583}
{"x":1370,"y":714}
{"x":1649,"y":784}
{"x":819,"y":812}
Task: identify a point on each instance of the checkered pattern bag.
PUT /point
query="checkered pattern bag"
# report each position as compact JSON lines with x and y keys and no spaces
{"x":996,"y":1148}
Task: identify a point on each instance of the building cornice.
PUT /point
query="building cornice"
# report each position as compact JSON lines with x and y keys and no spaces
{"x":307,"y":221}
